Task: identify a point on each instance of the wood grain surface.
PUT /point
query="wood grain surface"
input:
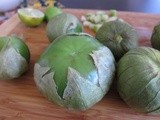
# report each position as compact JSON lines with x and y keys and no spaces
{"x":20,"y":99}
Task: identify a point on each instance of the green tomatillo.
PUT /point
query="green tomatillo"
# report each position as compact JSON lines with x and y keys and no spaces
{"x":118,"y":36}
{"x":62,"y":24}
{"x":75,"y":71}
{"x":139,"y":79}
{"x":51,"y":12}
{"x":155,"y":38}
{"x":14,"y":57}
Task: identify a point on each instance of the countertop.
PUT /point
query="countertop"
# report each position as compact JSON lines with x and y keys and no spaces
{"x":21,"y":100}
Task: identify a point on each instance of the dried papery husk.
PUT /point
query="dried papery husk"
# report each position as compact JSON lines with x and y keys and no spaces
{"x":139,"y":79}
{"x":63,"y":24}
{"x":80,"y":93}
{"x":12,"y":64}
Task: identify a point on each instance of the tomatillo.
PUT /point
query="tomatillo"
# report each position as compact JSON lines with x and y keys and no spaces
{"x":75,"y":71}
{"x":118,"y":36}
{"x":14,"y":57}
{"x":62,"y":24}
{"x":139,"y":79}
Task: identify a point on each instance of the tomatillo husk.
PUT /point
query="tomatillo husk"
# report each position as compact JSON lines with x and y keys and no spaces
{"x":14,"y":57}
{"x":62,"y":24}
{"x":75,"y":71}
{"x":139,"y":79}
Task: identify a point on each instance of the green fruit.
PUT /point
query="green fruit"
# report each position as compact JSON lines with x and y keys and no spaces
{"x":14,"y":57}
{"x":62,"y":24}
{"x":119,"y":36}
{"x":139,"y":79}
{"x":51,"y":12}
{"x":75,"y":71}
{"x":17,"y":44}
{"x":112,"y":13}
{"x":31,"y":17}
{"x":155,"y":38}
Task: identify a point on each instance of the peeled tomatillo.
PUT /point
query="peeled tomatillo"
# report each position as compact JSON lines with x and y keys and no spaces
{"x":51,"y":12}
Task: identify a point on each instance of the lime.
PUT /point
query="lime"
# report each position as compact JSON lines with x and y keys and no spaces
{"x":31,"y":17}
{"x":50,"y":12}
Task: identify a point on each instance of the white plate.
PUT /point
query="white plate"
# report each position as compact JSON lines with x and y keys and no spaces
{"x":7,"y":5}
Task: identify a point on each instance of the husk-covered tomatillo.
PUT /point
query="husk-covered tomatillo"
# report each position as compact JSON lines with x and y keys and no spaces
{"x":118,"y":36}
{"x":139,"y":79}
{"x":75,"y":71}
{"x":14,"y":57}
{"x":155,"y":38}
{"x":62,"y":24}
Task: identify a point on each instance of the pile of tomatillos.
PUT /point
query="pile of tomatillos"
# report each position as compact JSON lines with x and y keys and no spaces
{"x":76,"y":70}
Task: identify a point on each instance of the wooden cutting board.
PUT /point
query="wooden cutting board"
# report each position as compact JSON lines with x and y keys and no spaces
{"x":20,"y":99}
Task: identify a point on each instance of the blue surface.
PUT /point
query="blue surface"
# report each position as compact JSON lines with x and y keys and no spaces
{"x":146,"y":6}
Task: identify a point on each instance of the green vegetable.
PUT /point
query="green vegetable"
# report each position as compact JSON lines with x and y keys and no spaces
{"x":96,"y":27}
{"x":95,"y":20}
{"x":62,"y":24}
{"x":75,"y":71}
{"x":112,"y":13}
{"x":155,"y":39}
{"x":14,"y":57}
{"x":51,"y":12}
{"x":139,"y":79}
{"x":119,"y":36}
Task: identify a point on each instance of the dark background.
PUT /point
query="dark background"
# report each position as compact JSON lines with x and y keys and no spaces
{"x":147,"y":6}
